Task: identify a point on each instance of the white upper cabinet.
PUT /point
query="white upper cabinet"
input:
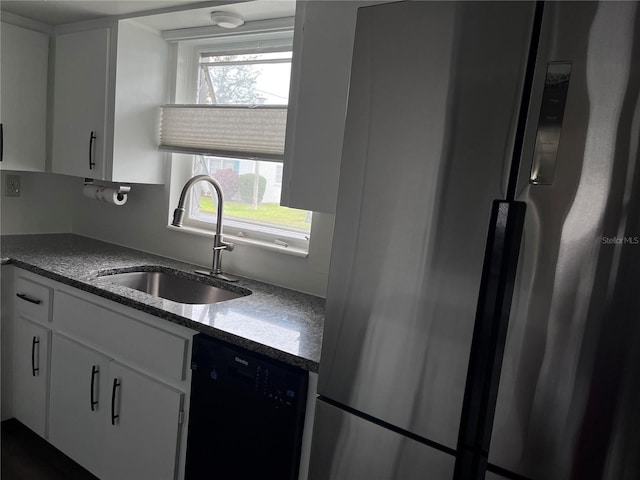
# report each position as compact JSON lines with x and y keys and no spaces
{"x":109,"y":85}
{"x":23,"y":98}
{"x":320,"y":72}
{"x":81,"y":79}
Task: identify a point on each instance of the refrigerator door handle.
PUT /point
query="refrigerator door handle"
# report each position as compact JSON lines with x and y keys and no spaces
{"x":554,"y":98}
{"x":489,"y":336}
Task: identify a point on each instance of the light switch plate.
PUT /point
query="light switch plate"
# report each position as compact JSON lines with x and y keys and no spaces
{"x":12,"y":186}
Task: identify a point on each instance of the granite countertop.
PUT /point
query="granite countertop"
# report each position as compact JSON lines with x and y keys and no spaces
{"x":278,"y":322}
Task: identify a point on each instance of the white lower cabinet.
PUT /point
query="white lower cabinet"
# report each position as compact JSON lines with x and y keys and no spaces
{"x":79,"y":403}
{"x":31,"y":374}
{"x":141,"y":438}
{"x":117,"y":423}
{"x":107,"y":385}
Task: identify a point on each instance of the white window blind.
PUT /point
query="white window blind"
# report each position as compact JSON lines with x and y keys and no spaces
{"x":254,"y":132}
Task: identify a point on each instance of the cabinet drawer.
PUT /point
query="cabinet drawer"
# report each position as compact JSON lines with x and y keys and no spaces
{"x":149,"y":349}
{"x":33,"y":300}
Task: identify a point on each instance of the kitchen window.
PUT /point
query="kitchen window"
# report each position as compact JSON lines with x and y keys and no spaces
{"x":255,"y":74}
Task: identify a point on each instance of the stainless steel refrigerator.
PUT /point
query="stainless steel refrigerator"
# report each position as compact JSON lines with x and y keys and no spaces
{"x":483,"y":307}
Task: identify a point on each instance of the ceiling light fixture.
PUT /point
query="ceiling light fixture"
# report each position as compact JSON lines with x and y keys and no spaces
{"x":227,"y":19}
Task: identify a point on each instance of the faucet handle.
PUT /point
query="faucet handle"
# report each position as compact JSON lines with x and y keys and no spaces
{"x":224,"y":246}
{"x":228,"y":246}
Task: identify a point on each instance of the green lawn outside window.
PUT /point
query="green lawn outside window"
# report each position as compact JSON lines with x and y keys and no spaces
{"x":270,"y":213}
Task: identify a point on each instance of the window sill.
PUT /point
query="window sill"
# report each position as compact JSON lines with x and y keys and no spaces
{"x":287,"y":250}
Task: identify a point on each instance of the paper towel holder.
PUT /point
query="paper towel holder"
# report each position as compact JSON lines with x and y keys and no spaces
{"x":122,"y":190}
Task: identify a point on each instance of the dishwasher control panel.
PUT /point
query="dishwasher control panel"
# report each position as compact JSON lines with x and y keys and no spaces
{"x":248,"y":371}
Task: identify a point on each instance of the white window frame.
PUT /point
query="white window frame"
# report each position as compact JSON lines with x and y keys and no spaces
{"x":241,"y":232}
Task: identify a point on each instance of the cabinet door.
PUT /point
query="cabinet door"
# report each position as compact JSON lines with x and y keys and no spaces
{"x":79,"y":401}
{"x":141,"y":438}
{"x":31,"y":372}
{"x":320,"y":71}
{"x":23,"y":97}
{"x":80,"y":99}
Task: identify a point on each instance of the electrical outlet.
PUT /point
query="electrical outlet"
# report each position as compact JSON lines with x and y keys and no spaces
{"x":12,"y":186}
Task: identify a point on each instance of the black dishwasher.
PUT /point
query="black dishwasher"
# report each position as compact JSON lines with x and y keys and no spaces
{"x":246,"y":414}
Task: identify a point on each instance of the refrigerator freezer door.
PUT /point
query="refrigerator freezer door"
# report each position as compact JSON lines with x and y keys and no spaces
{"x":355,"y":449}
{"x":568,"y":401}
{"x":435,"y":88}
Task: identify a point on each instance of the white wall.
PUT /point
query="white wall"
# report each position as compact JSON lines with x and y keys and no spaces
{"x":142,"y":224}
{"x":43,"y":205}
{"x":52,"y":203}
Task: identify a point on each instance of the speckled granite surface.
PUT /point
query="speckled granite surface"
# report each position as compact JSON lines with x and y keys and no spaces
{"x":281,"y":323}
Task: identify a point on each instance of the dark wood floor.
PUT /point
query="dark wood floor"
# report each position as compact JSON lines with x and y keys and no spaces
{"x":26,"y":456}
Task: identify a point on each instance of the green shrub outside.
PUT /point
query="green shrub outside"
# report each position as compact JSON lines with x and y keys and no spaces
{"x":245,"y":187}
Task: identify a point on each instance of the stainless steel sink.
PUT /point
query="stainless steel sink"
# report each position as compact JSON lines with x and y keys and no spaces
{"x":177,"y":288}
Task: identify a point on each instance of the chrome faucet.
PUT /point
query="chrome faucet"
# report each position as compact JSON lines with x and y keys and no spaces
{"x":218,"y":243}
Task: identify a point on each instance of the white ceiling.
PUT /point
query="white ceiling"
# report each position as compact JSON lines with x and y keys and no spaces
{"x":201,"y":17}
{"x":56,"y":12}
